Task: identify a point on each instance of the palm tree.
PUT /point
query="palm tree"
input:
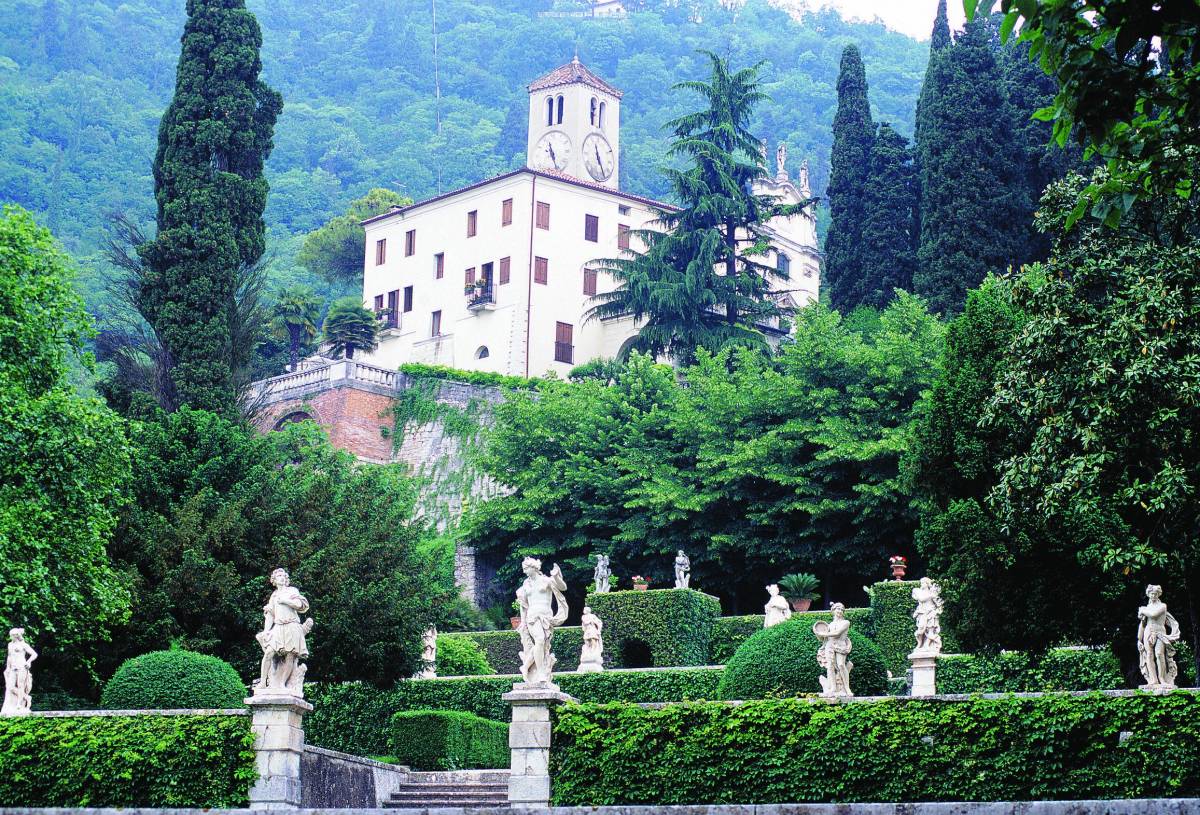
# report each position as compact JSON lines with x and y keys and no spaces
{"x":701,"y":281}
{"x":296,"y":312}
{"x":350,"y":327}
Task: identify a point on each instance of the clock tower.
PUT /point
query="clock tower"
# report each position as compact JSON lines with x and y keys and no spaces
{"x":574,"y":125}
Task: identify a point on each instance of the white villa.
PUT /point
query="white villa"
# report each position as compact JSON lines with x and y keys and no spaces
{"x":498,"y":276}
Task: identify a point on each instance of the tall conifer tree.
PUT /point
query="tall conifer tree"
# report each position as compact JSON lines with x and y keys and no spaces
{"x":969,"y":172}
{"x":208,"y":182}
{"x":853,"y":136}
{"x":888,"y":251}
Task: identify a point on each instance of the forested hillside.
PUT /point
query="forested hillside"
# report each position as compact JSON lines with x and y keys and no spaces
{"x":84,"y":82}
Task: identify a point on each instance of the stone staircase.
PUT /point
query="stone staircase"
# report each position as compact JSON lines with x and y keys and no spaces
{"x":455,"y":788}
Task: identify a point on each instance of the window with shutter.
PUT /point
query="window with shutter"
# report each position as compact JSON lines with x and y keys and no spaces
{"x":589,"y":281}
{"x":435,"y":324}
{"x":472,"y":222}
{"x":380,"y":251}
{"x":622,"y":236}
{"x":591,"y":228}
{"x":410,"y":243}
{"x":439,"y":265}
{"x":471,"y":276}
{"x":541,"y":271}
{"x":393,"y":315}
{"x":378,"y":303}
{"x":408,"y":298}
{"x":506,"y":212}
{"x":543,"y":215}
{"x":564,"y":351}
{"x":505,"y":270}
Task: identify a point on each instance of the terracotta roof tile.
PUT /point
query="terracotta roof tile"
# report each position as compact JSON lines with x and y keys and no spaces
{"x":573,"y":71}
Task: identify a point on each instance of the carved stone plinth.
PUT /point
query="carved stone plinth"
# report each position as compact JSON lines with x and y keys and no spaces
{"x":278,"y":724}
{"x":529,"y":743}
{"x":924,"y":670}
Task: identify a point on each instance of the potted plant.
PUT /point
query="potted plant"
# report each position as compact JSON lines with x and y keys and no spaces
{"x":800,"y":588}
{"x":899,"y":566}
{"x":640,"y":583}
{"x":516,"y":621}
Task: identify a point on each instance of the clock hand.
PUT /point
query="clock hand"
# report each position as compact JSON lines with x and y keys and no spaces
{"x":599,"y":161}
{"x":553,"y":157}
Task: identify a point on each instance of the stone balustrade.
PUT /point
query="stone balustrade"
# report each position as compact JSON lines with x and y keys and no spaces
{"x":312,"y":380}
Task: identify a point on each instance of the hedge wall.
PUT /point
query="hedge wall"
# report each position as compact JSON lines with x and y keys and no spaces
{"x":448,"y":740}
{"x":354,"y":717}
{"x":126,"y":761}
{"x":891,"y":624}
{"x":503,"y":648}
{"x":672,"y":627}
{"x":1018,"y":671}
{"x":730,"y":632}
{"x":797,"y":750}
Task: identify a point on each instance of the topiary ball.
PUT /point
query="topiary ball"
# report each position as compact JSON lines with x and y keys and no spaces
{"x":164,"y":680}
{"x":782,"y":661}
{"x":459,"y":656}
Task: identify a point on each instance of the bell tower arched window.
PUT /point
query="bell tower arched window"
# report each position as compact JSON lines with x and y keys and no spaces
{"x":600,"y":118}
{"x":560,"y":108}
{"x":592,"y":115}
{"x":549,"y":110}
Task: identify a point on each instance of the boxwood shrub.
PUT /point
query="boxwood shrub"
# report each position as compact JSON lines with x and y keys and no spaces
{"x":173,"y":679}
{"x":658,"y":628}
{"x":1018,"y":671}
{"x":1054,"y":746}
{"x":126,"y":761}
{"x":448,"y":740}
{"x":461,"y":656}
{"x":353,"y":717}
{"x":891,"y":625}
{"x":782,"y":661}
{"x":503,"y":648}
{"x":730,"y":632}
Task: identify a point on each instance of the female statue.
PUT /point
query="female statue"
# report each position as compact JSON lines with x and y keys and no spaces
{"x":927,"y":613}
{"x":834,"y":653}
{"x":602,"y":574}
{"x":1158,"y":631}
{"x":683,"y":570}
{"x":429,"y":653}
{"x":777,"y":608}
{"x":537,"y":598}
{"x":591,"y":658}
{"x":283,"y":639}
{"x":18,"y":678}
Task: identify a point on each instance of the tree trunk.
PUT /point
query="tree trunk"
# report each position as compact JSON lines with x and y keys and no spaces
{"x":349,"y":351}
{"x":294,"y":346}
{"x":731,"y":271}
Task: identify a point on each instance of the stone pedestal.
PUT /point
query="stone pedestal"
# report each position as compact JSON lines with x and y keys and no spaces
{"x":278,"y":724}
{"x":529,"y":743}
{"x":924,"y":669}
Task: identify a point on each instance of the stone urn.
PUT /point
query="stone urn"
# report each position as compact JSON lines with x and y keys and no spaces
{"x":641,"y":585}
{"x":516,"y":622}
{"x":801,"y":605}
{"x":898,"y":570}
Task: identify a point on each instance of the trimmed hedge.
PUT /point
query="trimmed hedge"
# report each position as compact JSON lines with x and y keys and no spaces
{"x":892,"y":626}
{"x":165,"y":680}
{"x":353,"y":717}
{"x":674,"y":626}
{"x":461,"y":656}
{"x":503,"y":648}
{"x":1018,"y":671}
{"x":782,"y":661}
{"x":730,"y":632}
{"x":1054,"y":747}
{"x":448,"y":740}
{"x":126,"y":761}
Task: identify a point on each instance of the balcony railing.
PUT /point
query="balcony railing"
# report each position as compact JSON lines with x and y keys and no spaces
{"x":291,"y":385}
{"x":387,"y":319}
{"x":481,"y":296}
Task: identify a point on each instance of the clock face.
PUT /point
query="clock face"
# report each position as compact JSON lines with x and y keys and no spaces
{"x":552,"y":151}
{"x":598,"y":157}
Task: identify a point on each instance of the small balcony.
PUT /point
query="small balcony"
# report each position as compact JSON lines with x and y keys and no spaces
{"x":481,"y":296}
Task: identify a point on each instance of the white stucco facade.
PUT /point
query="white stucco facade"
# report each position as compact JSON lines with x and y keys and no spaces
{"x":533,"y":236}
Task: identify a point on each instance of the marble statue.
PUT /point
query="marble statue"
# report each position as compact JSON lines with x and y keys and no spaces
{"x":18,"y":678}
{"x":591,"y":658}
{"x":805,"y":189}
{"x":762,"y":151}
{"x":1158,"y":631}
{"x":781,"y":161}
{"x":928,"y":595}
{"x":283,"y":639}
{"x":777,"y":608}
{"x":429,"y":654}
{"x":602,"y":574}
{"x":683,"y":570}
{"x":543,"y":608}
{"x":834,"y":653}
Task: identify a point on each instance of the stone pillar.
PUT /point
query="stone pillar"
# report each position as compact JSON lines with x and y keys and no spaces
{"x":529,"y":742}
{"x":924,"y":668}
{"x":278,"y":723}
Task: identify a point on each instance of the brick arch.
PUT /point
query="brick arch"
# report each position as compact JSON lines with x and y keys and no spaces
{"x":292,"y":415}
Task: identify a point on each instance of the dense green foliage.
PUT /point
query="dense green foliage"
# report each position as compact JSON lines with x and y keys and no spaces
{"x":780,"y":750}
{"x":663,"y":628}
{"x":485,"y":378}
{"x":887,"y":254}
{"x":447,"y":740}
{"x":892,"y":626}
{"x":335,"y":251}
{"x":350,"y":327}
{"x":213,"y":141}
{"x":849,"y":170}
{"x":1058,"y":669}
{"x":730,"y":632}
{"x":781,"y":661}
{"x":756,"y":467}
{"x":64,"y":459}
{"x":127,"y":761}
{"x":503,"y":648}
{"x":216,"y":506}
{"x":294,"y":319}
{"x":461,"y":656}
{"x":173,"y":680}
{"x":353,"y":716}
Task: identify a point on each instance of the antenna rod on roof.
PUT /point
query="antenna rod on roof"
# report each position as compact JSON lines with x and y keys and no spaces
{"x":437,"y":93}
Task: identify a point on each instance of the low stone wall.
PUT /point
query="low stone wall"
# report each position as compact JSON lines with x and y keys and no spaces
{"x":332,"y":779}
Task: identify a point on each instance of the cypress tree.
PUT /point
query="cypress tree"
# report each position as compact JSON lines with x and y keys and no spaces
{"x":968,"y":170}
{"x":889,"y":224}
{"x":853,"y":136}
{"x":208,"y":183}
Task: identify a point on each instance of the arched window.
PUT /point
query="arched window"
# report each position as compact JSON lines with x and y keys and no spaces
{"x":482,"y":352}
{"x":549,"y":110}
{"x":600,"y":118}
{"x":560,"y":108}
{"x":592,"y":115}
{"x":783,"y":263}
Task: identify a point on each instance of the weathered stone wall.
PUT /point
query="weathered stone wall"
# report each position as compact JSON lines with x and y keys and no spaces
{"x":332,"y":779}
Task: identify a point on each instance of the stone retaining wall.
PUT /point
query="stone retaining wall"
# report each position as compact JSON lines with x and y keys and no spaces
{"x":332,"y":779}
